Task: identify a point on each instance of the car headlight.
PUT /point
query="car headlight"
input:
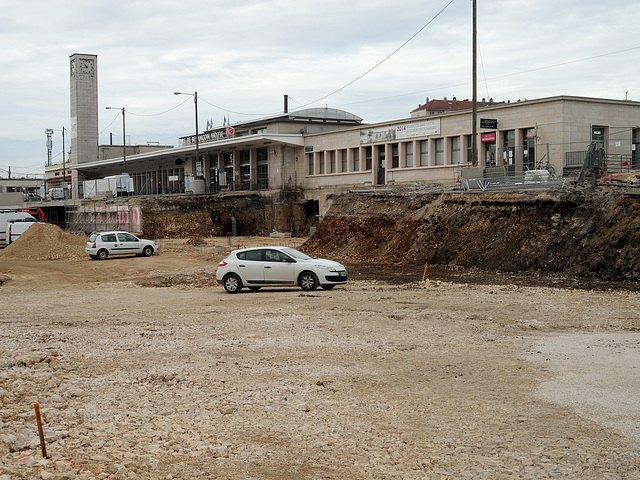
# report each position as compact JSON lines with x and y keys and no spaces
{"x":324,"y":267}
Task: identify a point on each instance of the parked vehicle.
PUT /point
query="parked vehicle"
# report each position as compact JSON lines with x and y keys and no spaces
{"x":272,"y":266}
{"x":56,"y":193}
{"x":9,"y":218}
{"x":101,"y":245}
{"x":15,"y":228}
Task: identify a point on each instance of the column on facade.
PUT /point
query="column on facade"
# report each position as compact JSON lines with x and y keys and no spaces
{"x":432,"y":152}
{"x":388,"y":161}
{"x":464,"y":150}
{"x":236,"y":169}
{"x":349,"y":159}
{"x":519,"y":160}
{"x":416,"y":153}
{"x":501,"y":159}
{"x":206,"y":170}
{"x":447,"y":151}
{"x":402,"y":153}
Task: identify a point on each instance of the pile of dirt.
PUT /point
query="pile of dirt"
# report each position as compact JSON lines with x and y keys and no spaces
{"x":591,"y":233}
{"x":45,"y":241}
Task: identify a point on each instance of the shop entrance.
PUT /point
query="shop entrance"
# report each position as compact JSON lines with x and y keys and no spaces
{"x":489,"y":147}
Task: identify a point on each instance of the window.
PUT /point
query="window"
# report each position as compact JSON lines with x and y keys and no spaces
{"x":424,"y":153}
{"x":455,"y":150}
{"x":321,"y":163}
{"x":263,"y":168}
{"x":251,"y":255}
{"x":343,"y":160}
{"x":469,"y":149}
{"x":356,"y":159}
{"x":440,"y":151}
{"x":111,"y":237}
{"x":332,"y":161}
{"x":126,"y":237}
{"x":368,"y":157}
{"x":409,"y":155}
{"x":395,"y":156}
{"x":245,"y":170}
{"x":310,"y":160}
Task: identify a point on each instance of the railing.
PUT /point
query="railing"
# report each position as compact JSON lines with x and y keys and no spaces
{"x":617,"y":163}
{"x":497,"y":181}
{"x":574,"y":159}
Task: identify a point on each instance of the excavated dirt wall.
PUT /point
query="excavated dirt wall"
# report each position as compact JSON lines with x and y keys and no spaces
{"x":211,"y":216}
{"x":585,"y":233}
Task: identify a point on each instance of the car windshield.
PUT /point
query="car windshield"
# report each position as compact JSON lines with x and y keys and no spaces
{"x":296,"y":254}
{"x":93,"y":237}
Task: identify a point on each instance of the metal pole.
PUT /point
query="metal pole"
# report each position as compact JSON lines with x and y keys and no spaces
{"x":124,"y":144}
{"x":474,"y":115}
{"x":195,"y":101}
{"x":63,"y":170}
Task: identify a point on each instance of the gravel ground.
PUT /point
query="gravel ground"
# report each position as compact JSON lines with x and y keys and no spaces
{"x":145,"y":369}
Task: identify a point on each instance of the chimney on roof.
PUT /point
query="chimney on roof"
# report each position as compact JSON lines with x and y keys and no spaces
{"x":427,"y":100}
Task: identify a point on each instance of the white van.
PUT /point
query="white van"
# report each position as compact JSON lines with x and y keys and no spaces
{"x":8,"y":219}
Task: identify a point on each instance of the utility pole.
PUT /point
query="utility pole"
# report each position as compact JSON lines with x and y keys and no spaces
{"x":474,"y":114}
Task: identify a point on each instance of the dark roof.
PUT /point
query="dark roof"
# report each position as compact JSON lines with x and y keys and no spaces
{"x":450,"y":105}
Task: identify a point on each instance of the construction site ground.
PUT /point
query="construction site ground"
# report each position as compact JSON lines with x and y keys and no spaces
{"x":144,"y":368}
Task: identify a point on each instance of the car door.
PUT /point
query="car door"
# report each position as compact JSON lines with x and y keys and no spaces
{"x":278,"y":267}
{"x":110,"y":242}
{"x":251,"y":266}
{"x":128,"y":243}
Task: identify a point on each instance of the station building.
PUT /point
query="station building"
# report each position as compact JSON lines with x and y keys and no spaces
{"x":319,"y":151}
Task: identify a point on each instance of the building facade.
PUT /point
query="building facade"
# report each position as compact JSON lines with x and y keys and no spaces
{"x":514,"y":137}
{"x":321,"y":151}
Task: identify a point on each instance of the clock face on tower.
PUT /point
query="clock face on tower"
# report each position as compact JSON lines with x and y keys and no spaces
{"x":86,"y":66}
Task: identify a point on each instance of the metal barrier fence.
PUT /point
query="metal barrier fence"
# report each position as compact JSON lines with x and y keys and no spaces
{"x":617,"y":163}
{"x":529,"y":179}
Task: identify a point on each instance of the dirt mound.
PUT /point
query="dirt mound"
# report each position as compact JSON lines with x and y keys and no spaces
{"x":584,"y":233}
{"x":45,"y":241}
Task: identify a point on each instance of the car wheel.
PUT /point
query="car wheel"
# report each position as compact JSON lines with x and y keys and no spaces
{"x":308,"y":281}
{"x":232,"y":283}
{"x":254,"y":289}
{"x":102,"y":255}
{"x":327,"y":287}
{"x":147,"y":251}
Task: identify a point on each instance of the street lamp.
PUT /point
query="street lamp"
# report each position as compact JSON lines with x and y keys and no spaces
{"x":195,"y":102}
{"x":124,"y":139}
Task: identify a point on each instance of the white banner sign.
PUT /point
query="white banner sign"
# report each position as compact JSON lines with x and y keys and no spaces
{"x":418,"y":129}
{"x":400,"y":132}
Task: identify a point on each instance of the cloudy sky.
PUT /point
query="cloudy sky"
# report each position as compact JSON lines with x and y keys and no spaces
{"x":378,"y":59}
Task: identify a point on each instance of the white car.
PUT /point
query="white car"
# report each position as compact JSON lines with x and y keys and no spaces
{"x":271,"y":266}
{"x":101,"y":245}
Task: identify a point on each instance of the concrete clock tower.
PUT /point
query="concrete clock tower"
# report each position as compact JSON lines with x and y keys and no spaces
{"x":83,"y":70}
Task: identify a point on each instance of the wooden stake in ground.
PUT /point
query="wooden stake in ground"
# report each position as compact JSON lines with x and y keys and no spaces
{"x":36,"y":407}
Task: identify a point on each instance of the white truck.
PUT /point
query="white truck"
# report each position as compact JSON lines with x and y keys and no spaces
{"x":13,"y":224}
